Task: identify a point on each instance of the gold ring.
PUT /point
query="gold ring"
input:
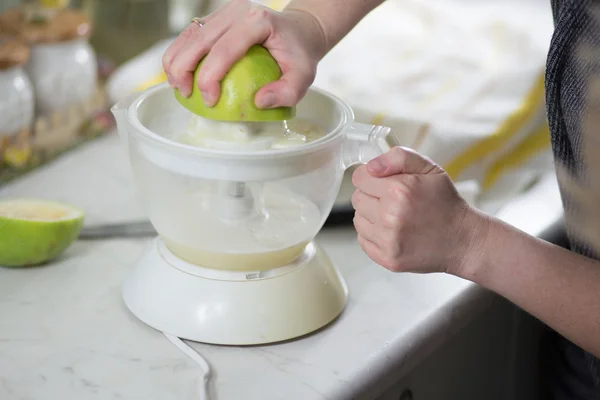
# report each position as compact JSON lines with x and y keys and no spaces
{"x":198,"y":21}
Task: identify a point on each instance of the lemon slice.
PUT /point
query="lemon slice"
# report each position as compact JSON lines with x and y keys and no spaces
{"x":33,"y":232}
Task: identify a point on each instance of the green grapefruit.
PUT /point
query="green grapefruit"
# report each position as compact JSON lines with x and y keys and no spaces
{"x":33,"y":232}
{"x":254,"y":70}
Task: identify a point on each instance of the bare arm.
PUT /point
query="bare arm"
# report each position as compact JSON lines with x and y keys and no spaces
{"x":410,"y":218}
{"x":335,"y":17}
{"x":557,"y":286}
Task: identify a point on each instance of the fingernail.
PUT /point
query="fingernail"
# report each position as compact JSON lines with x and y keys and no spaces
{"x":171,"y":82}
{"x":376,"y":165}
{"x":185,"y":92}
{"x":208,"y":99}
{"x":266,"y":100}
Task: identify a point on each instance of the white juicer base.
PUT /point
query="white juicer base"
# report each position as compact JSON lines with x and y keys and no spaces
{"x":280,"y":306}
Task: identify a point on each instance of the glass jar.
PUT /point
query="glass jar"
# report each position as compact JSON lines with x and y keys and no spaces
{"x":62,"y":66}
{"x":16,"y":101}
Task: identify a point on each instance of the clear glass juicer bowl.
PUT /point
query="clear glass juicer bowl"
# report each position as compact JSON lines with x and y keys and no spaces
{"x":240,"y":211}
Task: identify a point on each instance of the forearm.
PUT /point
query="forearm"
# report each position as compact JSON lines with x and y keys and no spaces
{"x":336,"y":17}
{"x":557,"y":286}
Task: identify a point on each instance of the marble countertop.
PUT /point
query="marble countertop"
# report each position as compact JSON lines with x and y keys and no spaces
{"x":66,"y":334}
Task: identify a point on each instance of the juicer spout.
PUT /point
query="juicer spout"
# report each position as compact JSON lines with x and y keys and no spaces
{"x":120,"y":111}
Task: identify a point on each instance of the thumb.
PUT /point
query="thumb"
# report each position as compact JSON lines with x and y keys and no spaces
{"x":285,"y":92}
{"x":401,"y":160}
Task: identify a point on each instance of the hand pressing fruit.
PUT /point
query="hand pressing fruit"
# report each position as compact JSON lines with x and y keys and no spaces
{"x":293,"y":37}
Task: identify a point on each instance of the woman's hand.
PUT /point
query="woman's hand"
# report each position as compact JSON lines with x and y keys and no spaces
{"x":409,"y":216}
{"x":294,"y":38}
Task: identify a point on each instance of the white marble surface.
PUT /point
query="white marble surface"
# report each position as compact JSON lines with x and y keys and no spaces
{"x":65,"y":333}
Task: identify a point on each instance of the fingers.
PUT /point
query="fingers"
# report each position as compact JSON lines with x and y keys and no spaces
{"x":365,"y":182}
{"x":365,"y":228}
{"x":180,"y":69}
{"x":365,"y":205}
{"x":181,"y":40}
{"x":372,"y":250}
{"x":288,"y":90}
{"x":401,"y":160}
{"x":378,"y":249}
{"x":367,"y":245}
{"x":173,"y":49}
{"x":200,"y":40}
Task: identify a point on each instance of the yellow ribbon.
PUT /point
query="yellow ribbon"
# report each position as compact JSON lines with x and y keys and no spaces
{"x":508,"y":129}
{"x":54,"y":4}
{"x":523,"y":152}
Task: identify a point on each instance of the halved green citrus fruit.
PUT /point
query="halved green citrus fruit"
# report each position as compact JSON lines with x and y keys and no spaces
{"x":33,"y":232}
{"x":254,"y":70}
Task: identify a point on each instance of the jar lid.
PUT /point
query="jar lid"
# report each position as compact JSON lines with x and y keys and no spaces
{"x":60,"y":26}
{"x":13,"y":52}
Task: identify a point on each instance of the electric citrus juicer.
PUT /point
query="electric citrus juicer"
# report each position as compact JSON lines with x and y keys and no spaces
{"x":235,"y":262}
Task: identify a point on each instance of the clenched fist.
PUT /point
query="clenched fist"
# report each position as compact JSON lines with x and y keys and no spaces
{"x":409,"y":216}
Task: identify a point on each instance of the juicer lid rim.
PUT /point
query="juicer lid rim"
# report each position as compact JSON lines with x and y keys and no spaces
{"x":145,"y":133}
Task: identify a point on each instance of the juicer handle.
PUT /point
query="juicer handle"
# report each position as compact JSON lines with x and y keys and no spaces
{"x":365,"y":142}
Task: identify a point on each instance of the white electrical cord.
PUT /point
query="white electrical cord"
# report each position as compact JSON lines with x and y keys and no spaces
{"x":193,"y":354}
